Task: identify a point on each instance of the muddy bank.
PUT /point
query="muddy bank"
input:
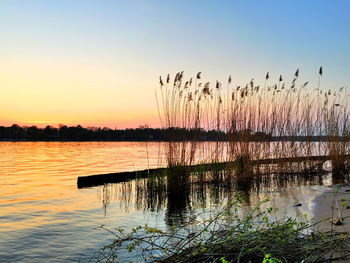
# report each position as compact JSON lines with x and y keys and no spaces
{"x":333,"y":202}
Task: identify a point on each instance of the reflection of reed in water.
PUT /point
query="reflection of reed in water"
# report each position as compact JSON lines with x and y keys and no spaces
{"x":157,"y":193}
{"x":122,"y":192}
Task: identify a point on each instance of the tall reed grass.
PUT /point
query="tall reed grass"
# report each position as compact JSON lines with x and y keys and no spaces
{"x":290,"y":118}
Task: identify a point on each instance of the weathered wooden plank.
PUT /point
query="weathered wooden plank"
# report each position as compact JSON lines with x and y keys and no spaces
{"x":100,"y":179}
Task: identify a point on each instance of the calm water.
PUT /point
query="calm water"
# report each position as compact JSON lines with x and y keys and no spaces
{"x":45,"y":217}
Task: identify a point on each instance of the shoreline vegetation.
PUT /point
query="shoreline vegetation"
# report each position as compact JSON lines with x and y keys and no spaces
{"x":227,"y":234}
{"x":304,"y":122}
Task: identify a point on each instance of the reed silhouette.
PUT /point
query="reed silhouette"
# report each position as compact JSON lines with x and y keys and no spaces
{"x":293,"y":120}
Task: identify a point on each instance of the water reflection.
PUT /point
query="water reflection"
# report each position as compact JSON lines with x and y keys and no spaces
{"x":201,"y":191}
{"x":42,"y":213}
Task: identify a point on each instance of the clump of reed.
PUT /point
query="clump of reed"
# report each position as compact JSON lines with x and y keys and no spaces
{"x":281,"y":119}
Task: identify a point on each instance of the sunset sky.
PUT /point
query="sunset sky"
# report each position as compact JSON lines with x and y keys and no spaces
{"x":97,"y":63}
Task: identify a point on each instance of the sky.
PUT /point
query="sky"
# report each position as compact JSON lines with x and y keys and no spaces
{"x":97,"y":63}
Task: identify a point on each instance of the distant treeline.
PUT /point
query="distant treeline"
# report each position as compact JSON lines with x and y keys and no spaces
{"x":78,"y":133}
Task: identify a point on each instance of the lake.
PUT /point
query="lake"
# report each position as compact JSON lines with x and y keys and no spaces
{"x":45,"y":217}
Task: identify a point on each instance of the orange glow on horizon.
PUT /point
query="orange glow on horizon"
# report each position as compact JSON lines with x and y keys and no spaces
{"x":52,"y":92}
{"x":121,"y":123}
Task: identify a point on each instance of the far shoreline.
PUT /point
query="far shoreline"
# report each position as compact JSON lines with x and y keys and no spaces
{"x":147,"y":134}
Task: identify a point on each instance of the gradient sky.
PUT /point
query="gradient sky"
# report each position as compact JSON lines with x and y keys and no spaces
{"x":97,"y":63}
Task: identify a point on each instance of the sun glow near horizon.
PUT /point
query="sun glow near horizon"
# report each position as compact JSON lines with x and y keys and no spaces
{"x":52,"y":92}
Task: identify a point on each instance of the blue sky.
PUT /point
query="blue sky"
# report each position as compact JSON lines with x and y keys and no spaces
{"x":117,"y":49}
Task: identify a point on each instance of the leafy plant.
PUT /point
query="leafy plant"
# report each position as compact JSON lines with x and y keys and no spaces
{"x":230,"y":234}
